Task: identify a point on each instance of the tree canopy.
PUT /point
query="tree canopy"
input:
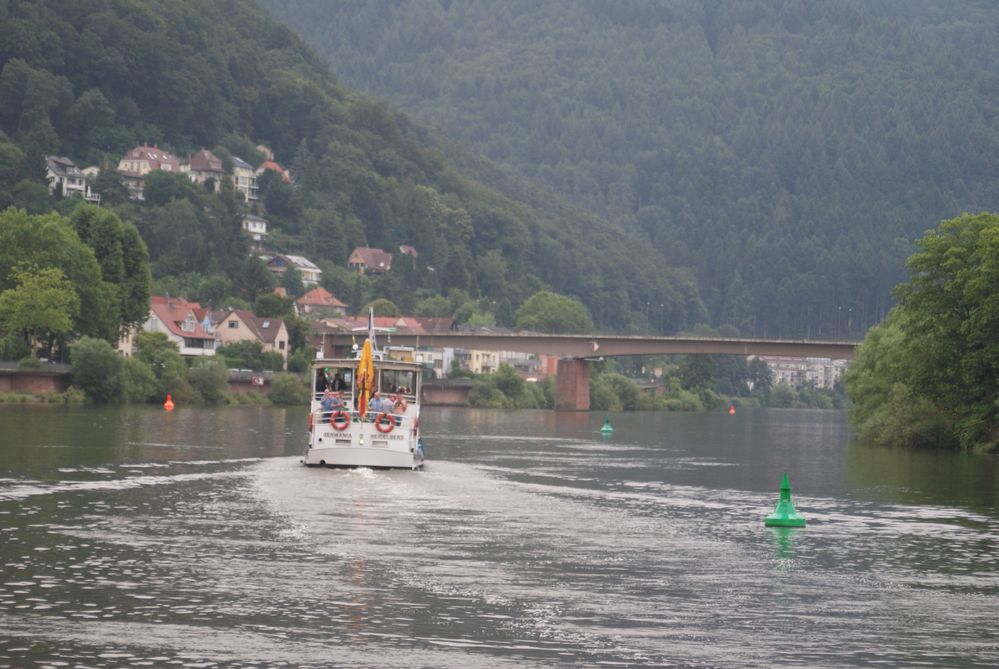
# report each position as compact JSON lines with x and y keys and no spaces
{"x":786,"y":152}
{"x":90,"y":82}
{"x":929,"y":375}
{"x":550,"y":312}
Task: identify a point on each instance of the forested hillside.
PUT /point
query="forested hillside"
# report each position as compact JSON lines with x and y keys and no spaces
{"x":789,"y":152}
{"x":89,"y":80}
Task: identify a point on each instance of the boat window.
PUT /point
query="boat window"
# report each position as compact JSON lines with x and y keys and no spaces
{"x":398,"y":381}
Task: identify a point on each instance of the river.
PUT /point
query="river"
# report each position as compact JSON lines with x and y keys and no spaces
{"x":135,"y":537}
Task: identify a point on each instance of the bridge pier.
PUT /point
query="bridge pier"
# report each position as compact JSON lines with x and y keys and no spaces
{"x":572,"y":385}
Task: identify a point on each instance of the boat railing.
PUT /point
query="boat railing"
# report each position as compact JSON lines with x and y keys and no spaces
{"x":399,"y":420}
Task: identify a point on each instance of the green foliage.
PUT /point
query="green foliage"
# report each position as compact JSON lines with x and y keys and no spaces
{"x":30,"y":363}
{"x":141,"y":384}
{"x":486,"y":396}
{"x":611,"y":391}
{"x":549,"y":312}
{"x":272,"y":305}
{"x":41,"y":306}
{"x":13,"y":347}
{"x":288,"y":389}
{"x":249,"y":354}
{"x":299,"y":361}
{"x":291,"y":281}
{"x":783,"y":151}
{"x":504,"y":389}
{"x":161,"y":355}
{"x":106,"y":304}
{"x":381,"y":307}
{"x":123,"y":259}
{"x":209,"y":379}
{"x":937,"y":352}
{"x":98,"y":370}
{"x":225,"y":76}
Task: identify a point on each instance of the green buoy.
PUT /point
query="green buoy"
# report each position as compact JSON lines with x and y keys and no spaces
{"x":607,"y":429}
{"x":784,"y":514}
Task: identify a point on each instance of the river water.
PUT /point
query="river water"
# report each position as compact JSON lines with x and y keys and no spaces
{"x":132,"y":537}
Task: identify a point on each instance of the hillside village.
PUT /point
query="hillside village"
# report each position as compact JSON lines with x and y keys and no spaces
{"x":199,"y":330}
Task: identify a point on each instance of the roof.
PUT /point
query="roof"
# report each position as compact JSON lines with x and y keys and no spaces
{"x":373,"y":258}
{"x":61,"y":165}
{"x":301,"y":262}
{"x":271,"y":165}
{"x":264,"y":329}
{"x":155,"y":156}
{"x":408,"y":250}
{"x":240,"y":163}
{"x":206,"y":161}
{"x":320,"y":297}
{"x":175,"y":311}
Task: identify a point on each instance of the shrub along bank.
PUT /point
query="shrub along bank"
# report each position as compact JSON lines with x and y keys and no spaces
{"x":157,"y":369}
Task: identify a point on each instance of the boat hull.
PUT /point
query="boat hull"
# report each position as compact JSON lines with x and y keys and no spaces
{"x":352,"y":457}
{"x":362,"y":445}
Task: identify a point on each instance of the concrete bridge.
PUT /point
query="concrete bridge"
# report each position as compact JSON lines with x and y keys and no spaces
{"x":572,"y":385}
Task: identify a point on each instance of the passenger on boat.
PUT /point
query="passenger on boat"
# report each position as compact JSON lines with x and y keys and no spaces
{"x":338,"y":383}
{"x":331,"y":402}
{"x":379,"y":405}
{"x":321,"y":384}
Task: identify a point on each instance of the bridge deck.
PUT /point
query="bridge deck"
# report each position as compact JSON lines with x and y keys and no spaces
{"x":590,"y":346}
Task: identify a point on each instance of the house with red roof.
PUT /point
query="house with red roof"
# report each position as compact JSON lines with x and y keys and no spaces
{"x":319,"y":303}
{"x":274,"y":167}
{"x":365,"y":259}
{"x":140,"y":161}
{"x":187,"y":324}
{"x":238,"y":325}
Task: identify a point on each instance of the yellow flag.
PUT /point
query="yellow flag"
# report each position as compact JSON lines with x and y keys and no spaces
{"x":365,"y":378}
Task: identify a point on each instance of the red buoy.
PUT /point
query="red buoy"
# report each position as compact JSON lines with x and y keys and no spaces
{"x":168,"y":405}
{"x":731,"y":410}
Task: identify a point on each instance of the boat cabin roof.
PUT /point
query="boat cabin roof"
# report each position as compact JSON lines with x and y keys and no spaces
{"x":379,"y":363}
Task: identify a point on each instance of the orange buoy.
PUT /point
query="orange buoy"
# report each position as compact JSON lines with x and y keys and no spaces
{"x":168,"y":405}
{"x":731,"y":410}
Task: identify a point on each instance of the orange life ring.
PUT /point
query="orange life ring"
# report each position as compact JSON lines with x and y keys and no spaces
{"x":340,"y":420}
{"x":384,"y":423}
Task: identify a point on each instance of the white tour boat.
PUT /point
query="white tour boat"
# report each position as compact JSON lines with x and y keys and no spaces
{"x":365,"y":412}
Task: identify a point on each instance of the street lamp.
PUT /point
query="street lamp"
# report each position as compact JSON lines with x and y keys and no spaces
{"x":661,"y":305}
{"x":839,"y":318}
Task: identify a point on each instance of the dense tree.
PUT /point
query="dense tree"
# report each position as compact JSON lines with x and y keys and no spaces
{"x":186,"y":75}
{"x":161,"y":355}
{"x":40,"y":308}
{"x":209,"y":378}
{"x":272,"y":305}
{"x":49,"y":241}
{"x":929,"y":375}
{"x":122,"y":257}
{"x":98,"y":370}
{"x":381,"y":307}
{"x":550,"y":312}
{"x":785,"y":152}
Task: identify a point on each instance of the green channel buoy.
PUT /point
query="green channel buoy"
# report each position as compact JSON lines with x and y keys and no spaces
{"x":607,"y":429}
{"x":784,"y":514}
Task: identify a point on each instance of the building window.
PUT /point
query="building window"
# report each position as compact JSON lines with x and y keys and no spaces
{"x":233,"y":325}
{"x":281,"y":345}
